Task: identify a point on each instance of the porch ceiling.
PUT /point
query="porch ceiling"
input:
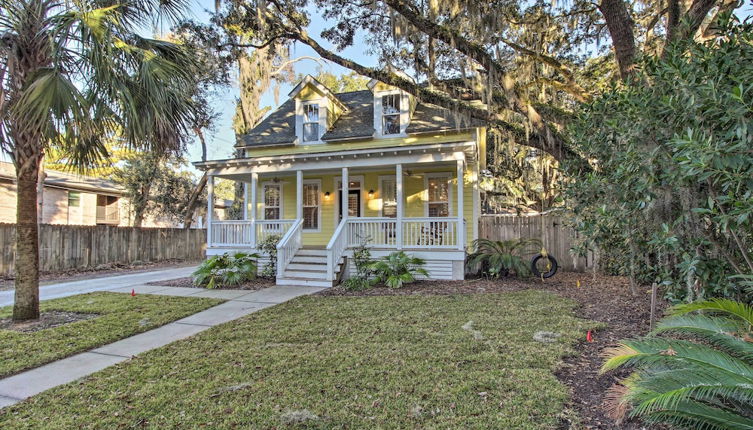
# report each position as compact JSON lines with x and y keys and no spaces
{"x":356,"y":160}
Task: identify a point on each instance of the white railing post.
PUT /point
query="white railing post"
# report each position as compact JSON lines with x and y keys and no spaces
{"x":254,"y":186}
{"x":299,"y":194}
{"x":344,"y":188}
{"x":288,"y":246}
{"x":399,"y":197}
{"x":461,"y":179}
{"x":210,"y":208}
{"x":336,"y":247}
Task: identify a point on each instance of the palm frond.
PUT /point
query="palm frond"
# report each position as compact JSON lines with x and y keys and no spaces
{"x":725,"y":306}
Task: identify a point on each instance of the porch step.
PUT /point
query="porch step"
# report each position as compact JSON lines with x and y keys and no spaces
{"x":304,"y":282}
{"x":312,"y":259}
{"x":309,"y":267}
{"x":305,"y":274}
{"x":312,"y":252}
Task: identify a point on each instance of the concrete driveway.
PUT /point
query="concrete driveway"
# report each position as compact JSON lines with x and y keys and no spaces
{"x":63,"y":289}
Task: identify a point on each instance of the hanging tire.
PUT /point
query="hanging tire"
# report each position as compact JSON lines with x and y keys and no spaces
{"x":543,"y":266}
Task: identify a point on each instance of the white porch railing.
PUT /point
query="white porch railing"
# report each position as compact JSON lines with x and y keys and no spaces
{"x":240,"y":232}
{"x":430,"y":233}
{"x":231,"y":233}
{"x":287,"y":246}
{"x":377,"y":232}
{"x":336,"y":247}
{"x":266,"y":228}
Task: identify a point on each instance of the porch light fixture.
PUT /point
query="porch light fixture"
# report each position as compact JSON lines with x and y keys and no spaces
{"x":326,"y":196}
{"x":371,"y":194}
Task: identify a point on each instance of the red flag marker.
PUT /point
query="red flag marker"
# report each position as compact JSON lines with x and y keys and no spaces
{"x":133,"y":294}
{"x":589,"y":336}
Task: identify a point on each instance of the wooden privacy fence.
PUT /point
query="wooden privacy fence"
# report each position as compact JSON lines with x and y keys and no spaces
{"x":68,"y":247}
{"x":549,"y":228}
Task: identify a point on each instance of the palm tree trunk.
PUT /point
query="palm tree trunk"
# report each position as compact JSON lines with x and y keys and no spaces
{"x":26,"y":305}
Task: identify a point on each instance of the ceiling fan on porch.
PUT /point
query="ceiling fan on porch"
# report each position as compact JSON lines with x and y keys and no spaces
{"x":412,"y":174}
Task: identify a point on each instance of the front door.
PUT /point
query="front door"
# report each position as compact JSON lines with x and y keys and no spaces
{"x":354,"y":204}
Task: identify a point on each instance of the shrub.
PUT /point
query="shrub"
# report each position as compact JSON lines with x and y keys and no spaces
{"x":226,"y":270}
{"x":269,"y":247}
{"x":500,"y":257}
{"x":398,"y":269}
{"x":668,"y":198}
{"x":363,"y":263}
{"x":701,"y":378}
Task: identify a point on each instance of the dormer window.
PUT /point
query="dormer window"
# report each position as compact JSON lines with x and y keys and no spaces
{"x":391,"y":114}
{"x":311,"y":122}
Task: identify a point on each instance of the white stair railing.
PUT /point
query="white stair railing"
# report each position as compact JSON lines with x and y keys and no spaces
{"x":336,"y":248}
{"x":288,"y":246}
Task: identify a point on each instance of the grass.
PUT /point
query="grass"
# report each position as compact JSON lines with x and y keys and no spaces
{"x":335,"y":363}
{"x":118,"y":316}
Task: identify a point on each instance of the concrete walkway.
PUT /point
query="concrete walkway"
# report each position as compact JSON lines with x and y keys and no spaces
{"x":240,"y":303}
{"x":63,"y":289}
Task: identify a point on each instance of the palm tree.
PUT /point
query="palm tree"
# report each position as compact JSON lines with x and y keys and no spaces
{"x":74,"y":75}
{"x":701,"y":377}
{"x":499,"y":257}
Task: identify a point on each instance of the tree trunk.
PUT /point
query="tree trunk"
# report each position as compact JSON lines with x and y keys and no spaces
{"x":26,"y":305}
{"x":40,"y":192}
{"x":193,"y":201}
{"x":140,"y":205}
{"x":620,"y":25}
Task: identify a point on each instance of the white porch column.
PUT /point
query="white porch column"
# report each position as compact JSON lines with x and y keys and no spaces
{"x":299,"y":195}
{"x":245,"y":201}
{"x":399,"y":198}
{"x":252,"y":213}
{"x":344,"y":188}
{"x":461,"y":230}
{"x":210,"y":208}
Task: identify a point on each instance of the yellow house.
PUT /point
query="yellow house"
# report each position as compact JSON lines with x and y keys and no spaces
{"x":411,"y":172}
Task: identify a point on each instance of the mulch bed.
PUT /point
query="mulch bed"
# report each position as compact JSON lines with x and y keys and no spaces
{"x":46,"y":320}
{"x":601,"y":298}
{"x":187,"y":282}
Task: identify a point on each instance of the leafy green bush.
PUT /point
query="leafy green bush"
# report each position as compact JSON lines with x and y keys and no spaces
{"x":398,"y":269}
{"x":669,"y":196}
{"x":268,"y":246}
{"x":703,"y":380}
{"x":363,"y":278}
{"x":226,"y":270}
{"x":500,"y":257}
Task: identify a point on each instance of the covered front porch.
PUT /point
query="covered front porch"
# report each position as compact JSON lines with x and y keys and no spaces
{"x":417,"y":201}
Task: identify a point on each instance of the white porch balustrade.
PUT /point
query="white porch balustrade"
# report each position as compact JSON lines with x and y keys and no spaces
{"x":240,"y":233}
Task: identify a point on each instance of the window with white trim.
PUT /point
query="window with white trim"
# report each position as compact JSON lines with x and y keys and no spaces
{"x":389,"y":197}
{"x":439,"y":196}
{"x":311,"y":205}
{"x":272,"y":201}
{"x":310,"y":122}
{"x":391,"y":114}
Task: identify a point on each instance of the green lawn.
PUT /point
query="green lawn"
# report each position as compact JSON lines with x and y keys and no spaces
{"x":118,"y":316}
{"x":358,"y":362}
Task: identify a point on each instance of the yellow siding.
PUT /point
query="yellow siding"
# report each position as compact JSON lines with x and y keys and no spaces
{"x":368,"y":143}
{"x":309,"y":92}
{"x":415,"y":196}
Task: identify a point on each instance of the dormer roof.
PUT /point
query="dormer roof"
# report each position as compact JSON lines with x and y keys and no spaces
{"x":310,"y":81}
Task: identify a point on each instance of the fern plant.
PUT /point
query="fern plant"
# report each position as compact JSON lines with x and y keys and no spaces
{"x":501,"y":257}
{"x":701,"y":378}
{"x":398,"y":269}
{"x":226,"y":270}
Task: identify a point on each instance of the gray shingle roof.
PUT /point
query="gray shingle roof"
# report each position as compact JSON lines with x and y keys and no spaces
{"x":357,"y":122}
